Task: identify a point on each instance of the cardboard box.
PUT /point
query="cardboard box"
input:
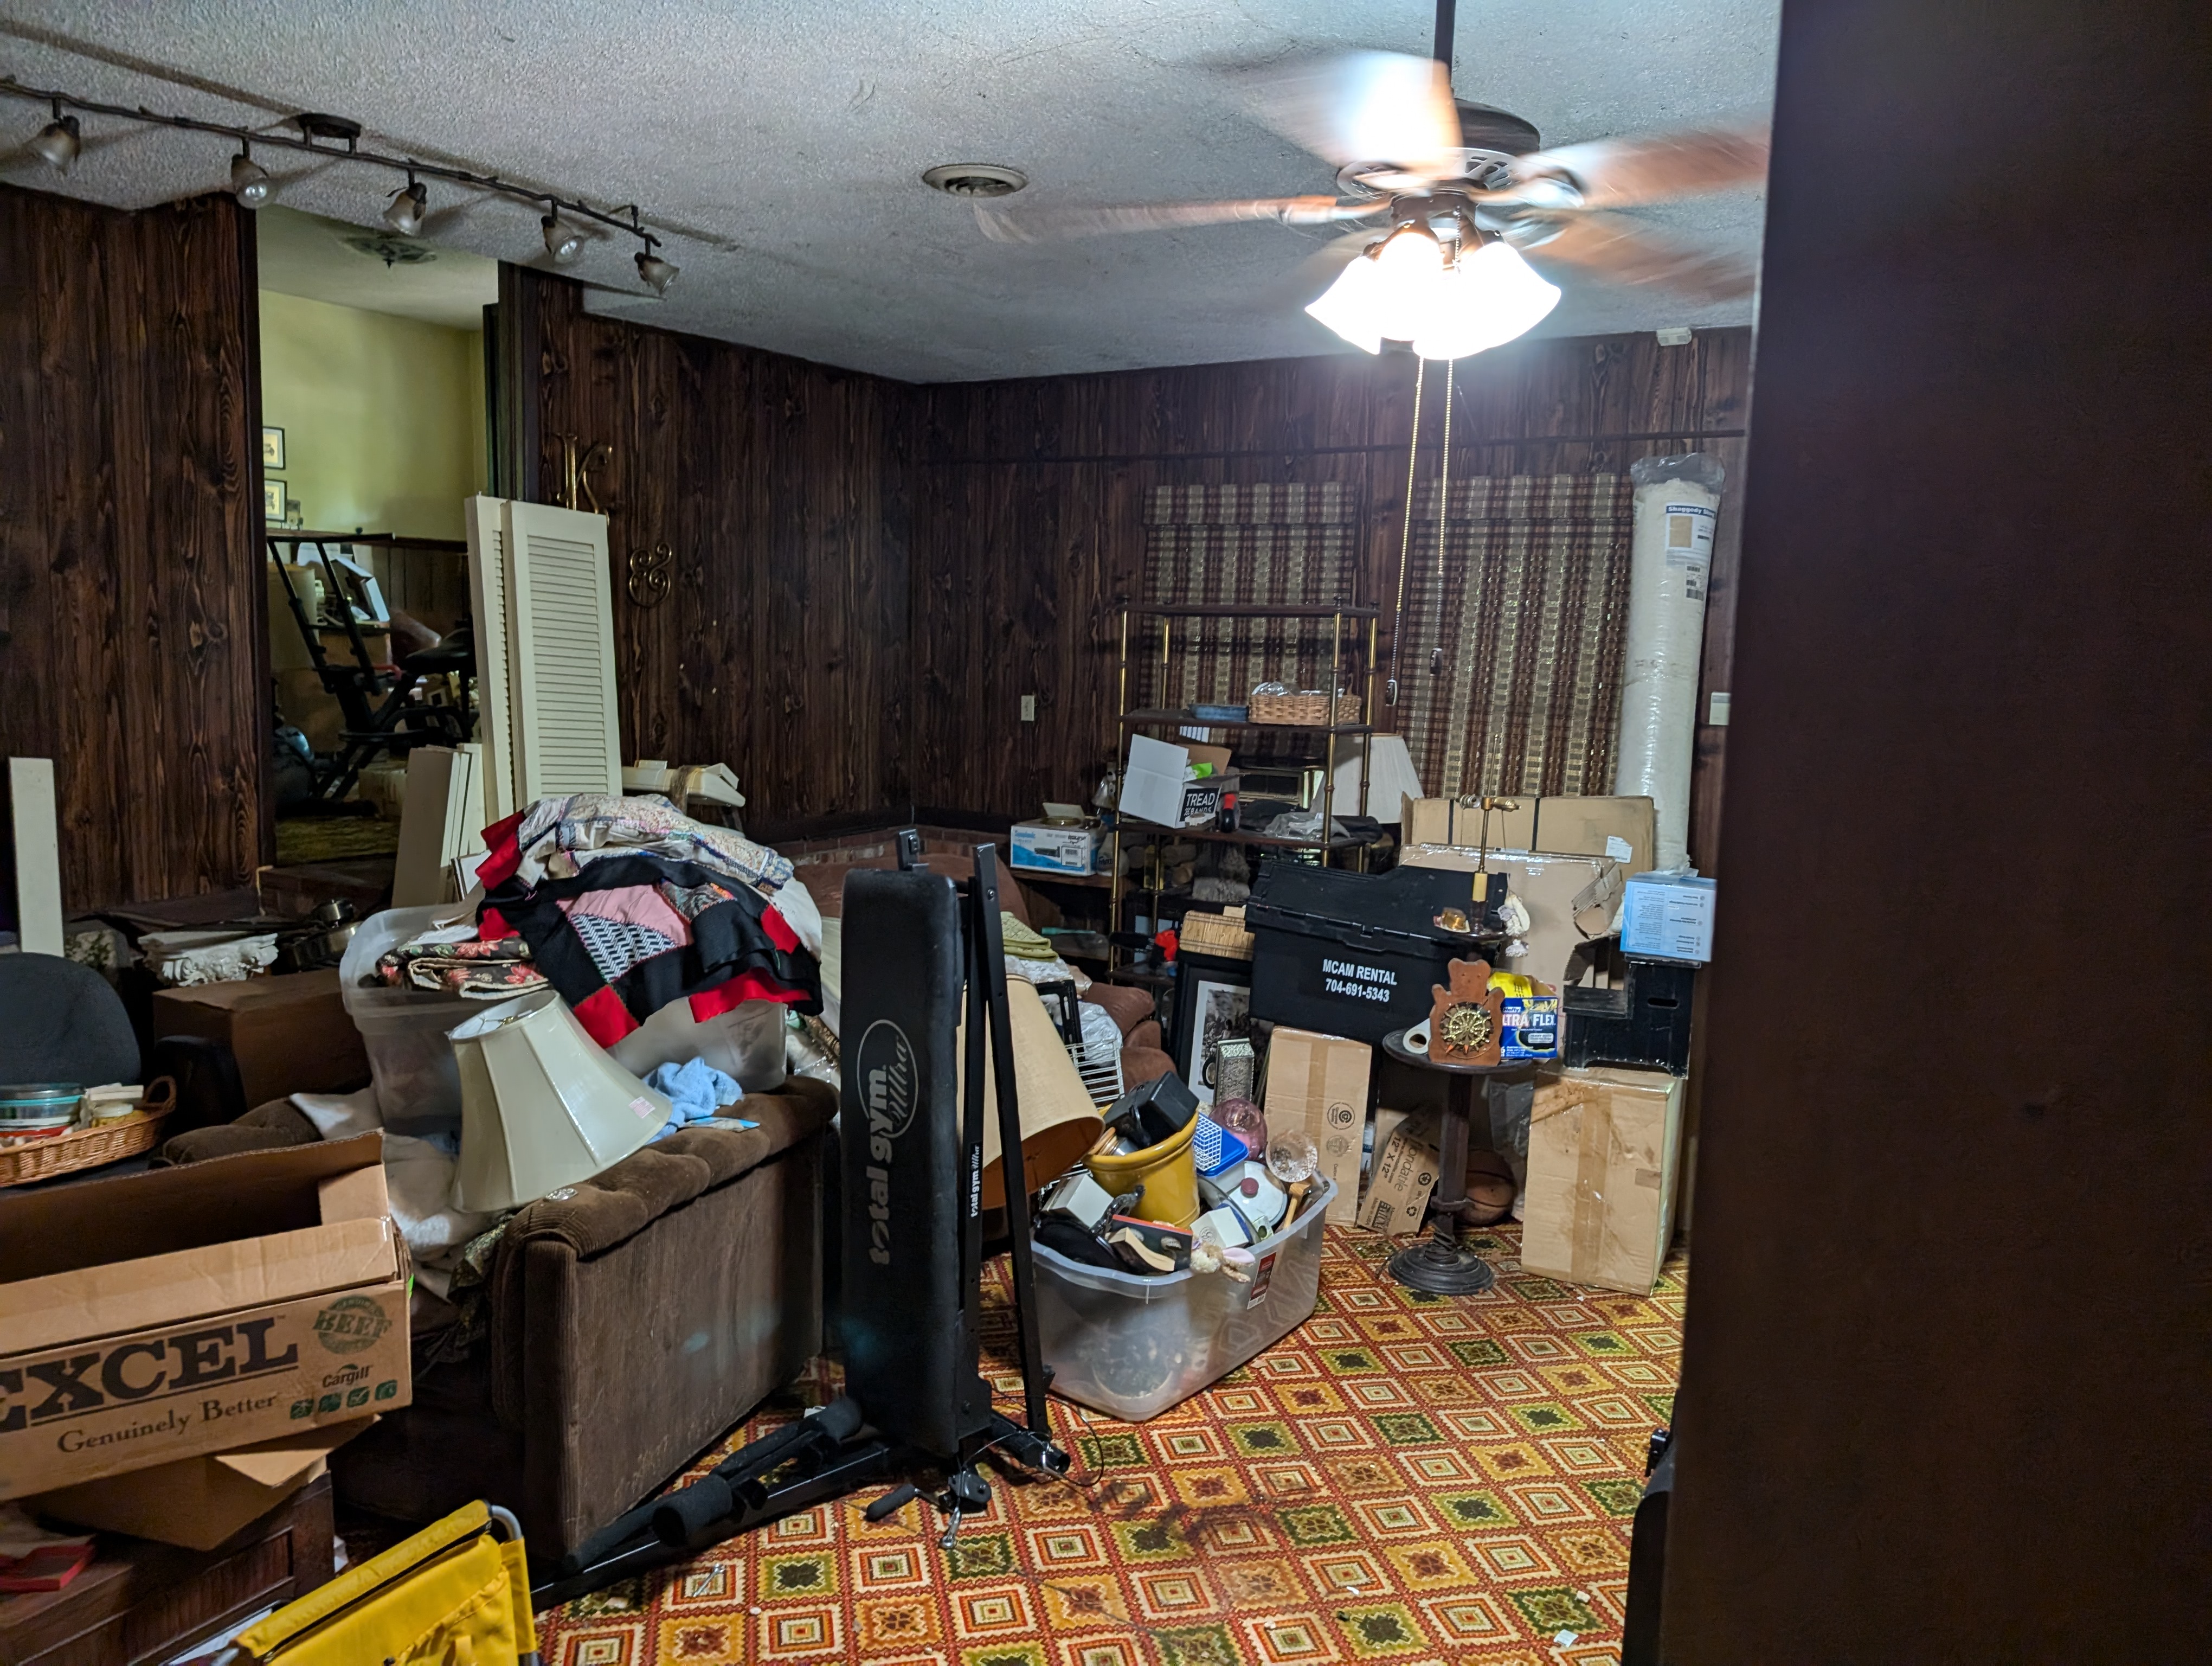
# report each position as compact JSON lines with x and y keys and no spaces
{"x":1055,"y":848}
{"x":1157,"y":786}
{"x":1598,"y":1205}
{"x":200,"y":1502}
{"x":1669,"y":918}
{"x":1623,"y":830}
{"x":157,"y":1316}
{"x":1319,"y":1083}
{"x":1405,"y":1169}
{"x":290,"y":1033}
{"x":1571,"y":900}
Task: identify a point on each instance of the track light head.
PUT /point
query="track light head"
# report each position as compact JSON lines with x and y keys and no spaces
{"x":657,"y":273}
{"x":409,"y":206}
{"x":562,"y":244}
{"x":249,"y":181}
{"x":59,"y":142}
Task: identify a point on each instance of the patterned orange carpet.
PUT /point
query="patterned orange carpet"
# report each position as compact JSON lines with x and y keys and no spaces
{"x":1404,"y":1479}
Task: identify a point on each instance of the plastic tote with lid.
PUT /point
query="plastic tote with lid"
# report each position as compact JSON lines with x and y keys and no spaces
{"x":418,"y":1085}
{"x":1131,"y":1346}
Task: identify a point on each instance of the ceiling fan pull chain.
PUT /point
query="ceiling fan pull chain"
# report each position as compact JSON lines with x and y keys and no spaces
{"x":1444,"y":484}
{"x":1404,"y":538}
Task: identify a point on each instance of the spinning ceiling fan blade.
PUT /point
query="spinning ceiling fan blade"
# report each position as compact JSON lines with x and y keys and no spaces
{"x":1651,"y":168}
{"x":1351,"y":107}
{"x":1616,"y":249}
{"x":1043,"y":225}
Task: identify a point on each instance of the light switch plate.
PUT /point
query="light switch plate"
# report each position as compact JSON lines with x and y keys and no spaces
{"x":1717,"y":710}
{"x":1029,"y":708}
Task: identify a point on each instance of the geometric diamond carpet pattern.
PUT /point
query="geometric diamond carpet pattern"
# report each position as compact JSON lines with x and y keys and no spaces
{"x":1406,"y":1479}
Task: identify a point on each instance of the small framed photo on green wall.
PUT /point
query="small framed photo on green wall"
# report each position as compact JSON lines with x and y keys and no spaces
{"x":272,"y":499}
{"x":272,"y":447}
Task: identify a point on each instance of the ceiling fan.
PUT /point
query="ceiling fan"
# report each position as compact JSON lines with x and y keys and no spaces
{"x":1446,"y":198}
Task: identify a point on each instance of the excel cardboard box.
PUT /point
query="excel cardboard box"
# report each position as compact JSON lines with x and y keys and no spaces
{"x":158,"y":1317}
{"x":1319,"y":1083}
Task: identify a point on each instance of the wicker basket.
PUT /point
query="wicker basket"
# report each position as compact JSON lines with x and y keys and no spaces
{"x":1222,"y":933}
{"x":89,"y":1147}
{"x":1304,"y":709}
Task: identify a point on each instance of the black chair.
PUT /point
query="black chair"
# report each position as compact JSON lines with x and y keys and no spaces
{"x":60,"y":1022}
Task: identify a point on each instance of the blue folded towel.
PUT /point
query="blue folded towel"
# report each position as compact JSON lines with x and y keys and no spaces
{"x":697,"y":1092}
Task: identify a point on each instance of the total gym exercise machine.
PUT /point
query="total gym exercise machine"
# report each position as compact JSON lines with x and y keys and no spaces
{"x":912,"y":1147}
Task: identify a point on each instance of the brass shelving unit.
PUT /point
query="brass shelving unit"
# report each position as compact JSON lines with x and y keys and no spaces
{"x":1346,"y":651}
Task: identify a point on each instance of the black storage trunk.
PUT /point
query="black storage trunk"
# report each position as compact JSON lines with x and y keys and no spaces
{"x":1355,"y":954}
{"x":1642,"y":1020}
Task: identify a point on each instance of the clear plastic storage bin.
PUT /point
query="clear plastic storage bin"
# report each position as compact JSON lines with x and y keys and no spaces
{"x":418,"y":1082}
{"x":1131,"y":1346}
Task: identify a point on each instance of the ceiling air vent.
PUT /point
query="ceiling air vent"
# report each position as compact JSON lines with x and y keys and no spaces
{"x":975,"y":179}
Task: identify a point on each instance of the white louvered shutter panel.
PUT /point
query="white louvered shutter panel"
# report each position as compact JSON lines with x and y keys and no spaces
{"x":487,"y":524}
{"x":560,"y":660}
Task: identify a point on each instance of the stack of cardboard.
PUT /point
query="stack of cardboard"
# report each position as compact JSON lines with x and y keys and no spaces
{"x":184,"y":1348}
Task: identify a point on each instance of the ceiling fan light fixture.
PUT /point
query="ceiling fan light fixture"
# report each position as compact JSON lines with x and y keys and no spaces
{"x":59,"y":142}
{"x":1488,"y":297}
{"x":1409,"y":270}
{"x":1348,"y":306}
{"x":249,"y":181}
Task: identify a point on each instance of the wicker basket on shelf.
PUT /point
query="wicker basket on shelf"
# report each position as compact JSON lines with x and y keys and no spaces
{"x":1222,"y":933}
{"x":111,"y":1141}
{"x":1308,"y":709}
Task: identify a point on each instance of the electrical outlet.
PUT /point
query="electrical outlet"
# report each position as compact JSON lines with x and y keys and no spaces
{"x":1029,"y":708}
{"x":1716,"y":709}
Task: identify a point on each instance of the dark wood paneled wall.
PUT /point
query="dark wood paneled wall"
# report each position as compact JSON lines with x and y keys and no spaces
{"x":130,"y":552}
{"x":1944,"y":1390}
{"x":1028,"y":499}
{"x":782,"y":649}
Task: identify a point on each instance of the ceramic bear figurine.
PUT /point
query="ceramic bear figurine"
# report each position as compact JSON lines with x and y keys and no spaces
{"x":1465,"y":1021}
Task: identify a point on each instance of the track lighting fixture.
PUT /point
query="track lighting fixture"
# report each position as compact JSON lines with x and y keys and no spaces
{"x":59,"y":141}
{"x":337,"y":140}
{"x":249,"y":180}
{"x":409,"y":206}
{"x":562,"y":243}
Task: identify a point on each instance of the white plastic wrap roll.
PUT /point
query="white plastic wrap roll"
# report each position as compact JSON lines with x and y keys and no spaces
{"x":1671,"y":552}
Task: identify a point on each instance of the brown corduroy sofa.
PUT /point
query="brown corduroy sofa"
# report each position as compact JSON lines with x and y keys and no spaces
{"x":634,"y":1319}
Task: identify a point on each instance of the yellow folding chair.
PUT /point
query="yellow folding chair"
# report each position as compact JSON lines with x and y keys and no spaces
{"x":457,"y":1594}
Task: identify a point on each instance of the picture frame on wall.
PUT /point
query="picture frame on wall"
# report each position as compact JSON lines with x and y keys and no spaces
{"x":272,"y":448}
{"x":1213,"y":1004}
{"x":272,"y":499}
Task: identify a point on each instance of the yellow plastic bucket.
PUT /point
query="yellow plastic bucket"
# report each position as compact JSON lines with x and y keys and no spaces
{"x":1167,"y":1171}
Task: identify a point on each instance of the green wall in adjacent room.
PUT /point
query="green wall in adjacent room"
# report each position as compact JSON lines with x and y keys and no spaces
{"x":383,"y":416}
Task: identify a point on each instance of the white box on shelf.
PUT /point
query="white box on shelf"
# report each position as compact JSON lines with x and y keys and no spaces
{"x":1050,"y":847}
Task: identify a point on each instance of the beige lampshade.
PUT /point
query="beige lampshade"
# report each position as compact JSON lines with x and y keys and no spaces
{"x":542,"y":1105}
{"x":1058,"y":1121}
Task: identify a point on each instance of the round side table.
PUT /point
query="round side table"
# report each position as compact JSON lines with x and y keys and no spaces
{"x":1441,"y":1263}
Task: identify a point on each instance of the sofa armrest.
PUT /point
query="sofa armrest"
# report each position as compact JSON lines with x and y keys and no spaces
{"x":265,"y":1128}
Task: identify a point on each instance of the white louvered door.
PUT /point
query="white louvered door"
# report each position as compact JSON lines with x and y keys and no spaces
{"x":561,"y":653}
{"x":487,"y":592}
